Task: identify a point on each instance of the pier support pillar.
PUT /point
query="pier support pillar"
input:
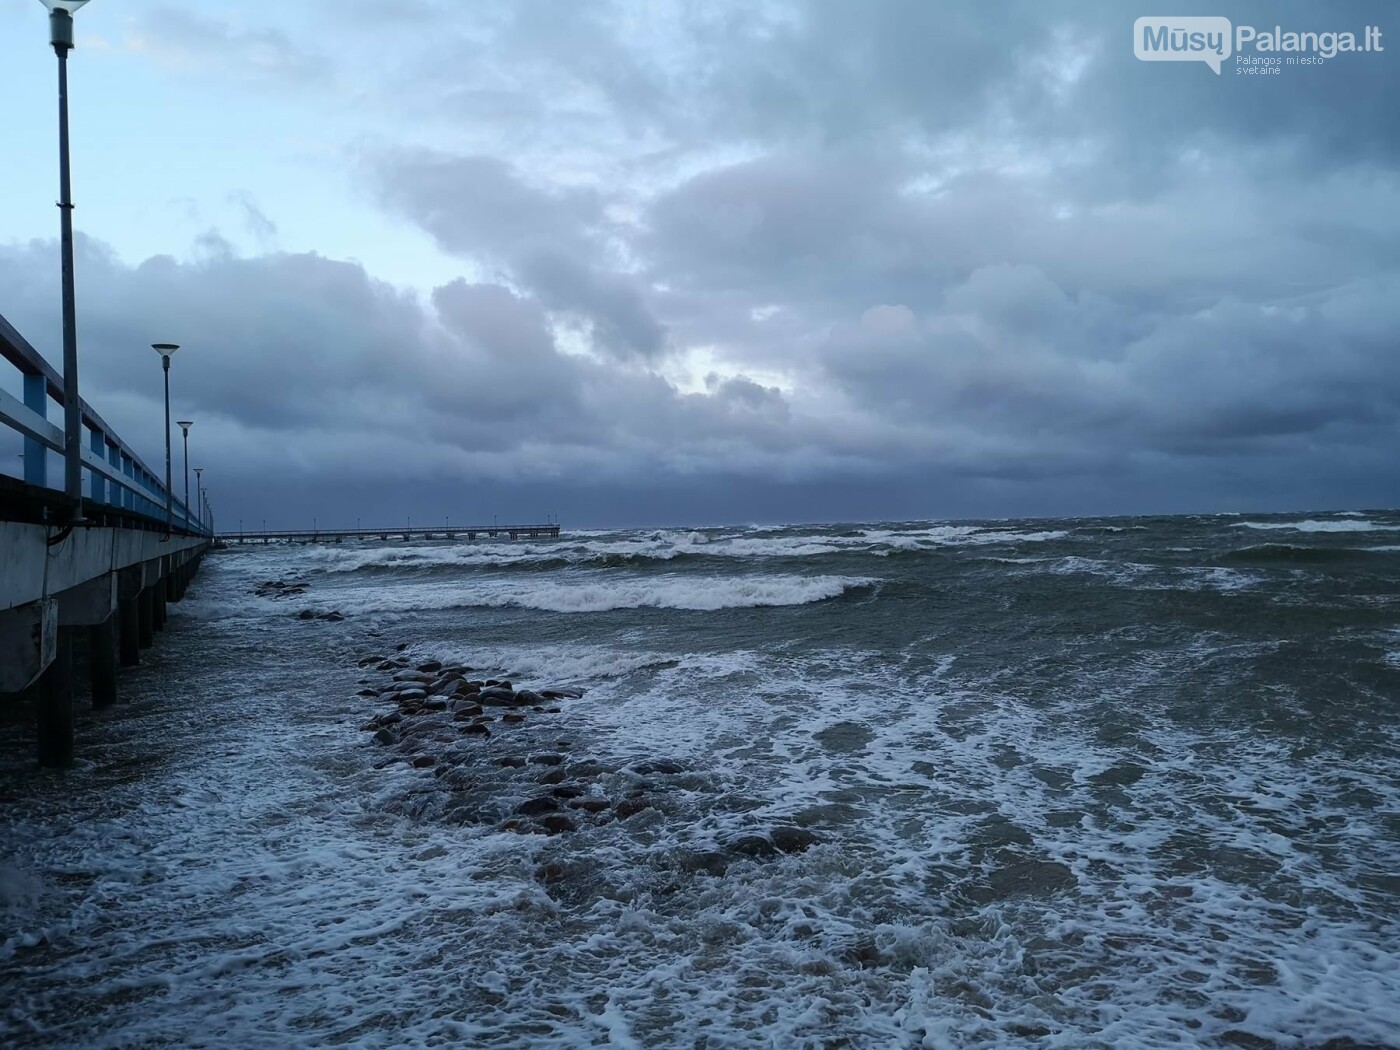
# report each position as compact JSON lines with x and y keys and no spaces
{"x":158,"y":610}
{"x":55,"y":707}
{"x":146,"y":625}
{"x":129,"y":631}
{"x":102,"y":651}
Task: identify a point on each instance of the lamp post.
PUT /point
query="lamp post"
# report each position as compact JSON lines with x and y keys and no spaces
{"x":184,"y":425}
{"x":165,"y":350}
{"x":199,"y":488}
{"x":61,"y":37}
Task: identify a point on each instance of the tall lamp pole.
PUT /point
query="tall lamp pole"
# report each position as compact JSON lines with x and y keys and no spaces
{"x":165,"y":350}
{"x":184,"y":425}
{"x":61,"y":37}
{"x":199,"y":486}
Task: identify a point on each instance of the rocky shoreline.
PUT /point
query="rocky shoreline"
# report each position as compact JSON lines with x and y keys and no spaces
{"x":497,"y":758}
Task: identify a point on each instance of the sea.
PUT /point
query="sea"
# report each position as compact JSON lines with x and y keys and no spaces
{"x":1094,"y":782}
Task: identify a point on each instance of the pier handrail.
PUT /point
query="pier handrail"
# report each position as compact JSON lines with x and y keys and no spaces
{"x":117,"y":476}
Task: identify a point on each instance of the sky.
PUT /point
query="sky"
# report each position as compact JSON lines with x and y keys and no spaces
{"x":693,"y":263}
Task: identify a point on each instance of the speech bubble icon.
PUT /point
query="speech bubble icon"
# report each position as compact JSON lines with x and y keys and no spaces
{"x":1178,"y":38}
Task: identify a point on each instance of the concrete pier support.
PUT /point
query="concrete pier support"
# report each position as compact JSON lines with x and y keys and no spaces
{"x":146,"y":625}
{"x":102,"y":659}
{"x":55,"y":707}
{"x":129,"y":631}
{"x":157,"y":590}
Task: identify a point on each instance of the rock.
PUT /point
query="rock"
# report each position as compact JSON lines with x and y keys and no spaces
{"x":368,"y":692}
{"x":513,"y":718}
{"x":547,"y":759}
{"x":752,"y":846}
{"x":413,"y":676}
{"x":561,"y":694}
{"x":390,"y":718}
{"x":476,"y":729}
{"x":386,"y":737}
{"x":496,"y":697}
{"x":631,"y":807}
{"x":554,"y":776}
{"x":387,"y":665}
{"x":430,"y":665}
{"x":511,"y":762}
{"x":466,"y":713}
{"x":590,"y":805}
{"x":466,"y":689}
{"x":400,"y":647}
{"x":366,"y":661}
{"x":647,"y":768}
{"x":334,"y":616}
{"x":792,"y":840}
{"x":536,"y":806}
{"x":306,"y":614}
{"x":557,"y":824}
{"x":424,"y":761}
{"x":436,"y":703}
{"x":524,"y":696}
{"x":567,"y":791}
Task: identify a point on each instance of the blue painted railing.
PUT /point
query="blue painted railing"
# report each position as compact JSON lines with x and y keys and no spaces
{"x":115,"y":476}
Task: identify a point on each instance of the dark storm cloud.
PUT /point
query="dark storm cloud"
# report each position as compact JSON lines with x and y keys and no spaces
{"x":915,"y":258}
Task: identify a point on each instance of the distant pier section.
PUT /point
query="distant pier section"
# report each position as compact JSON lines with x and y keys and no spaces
{"x":434,"y":532}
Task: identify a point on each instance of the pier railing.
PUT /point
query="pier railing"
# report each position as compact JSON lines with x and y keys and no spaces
{"x":117,"y":482}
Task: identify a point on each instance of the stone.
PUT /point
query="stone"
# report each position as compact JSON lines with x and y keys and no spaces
{"x":430,"y":665}
{"x":524,"y":696}
{"x":561,"y":694}
{"x":306,"y":614}
{"x":476,"y":729}
{"x":547,"y":760}
{"x":513,"y":718}
{"x":631,"y":807}
{"x":335,"y":616}
{"x":792,"y":840}
{"x":496,"y":696}
{"x":424,"y":761}
{"x":368,"y":692}
{"x":590,"y":805}
{"x":386,"y":737}
{"x":557,"y":824}
{"x":436,"y":703}
{"x":387,"y":665}
{"x":366,"y":661}
{"x":753,"y":846}
{"x":511,"y":762}
{"x":390,"y":718}
{"x":647,"y":768}
{"x":536,"y":806}
{"x":554,"y":776}
{"x":567,"y":791}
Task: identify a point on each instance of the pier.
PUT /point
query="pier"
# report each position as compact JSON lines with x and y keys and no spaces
{"x":93,"y":575}
{"x":436,"y":532}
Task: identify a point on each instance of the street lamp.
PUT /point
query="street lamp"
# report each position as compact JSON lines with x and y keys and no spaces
{"x":199,"y":488}
{"x":61,"y":37}
{"x":184,"y":425}
{"x":165,"y":350}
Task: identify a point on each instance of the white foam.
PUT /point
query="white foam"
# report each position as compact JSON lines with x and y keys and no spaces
{"x":1313,"y":525}
{"x":600,"y":593}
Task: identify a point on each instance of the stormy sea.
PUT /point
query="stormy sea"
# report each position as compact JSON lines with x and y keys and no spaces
{"x":1119,"y":782}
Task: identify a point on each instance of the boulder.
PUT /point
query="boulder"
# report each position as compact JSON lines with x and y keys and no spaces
{"x":386,"y":737}
{"x":536,"y":806}
{"x":430,"y":666}
{"x":476,"y":729}
{"x":547,"y":759}
{"x":496,"y":696}
{"x":557,"y":824}
{"x":424,"y":761}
